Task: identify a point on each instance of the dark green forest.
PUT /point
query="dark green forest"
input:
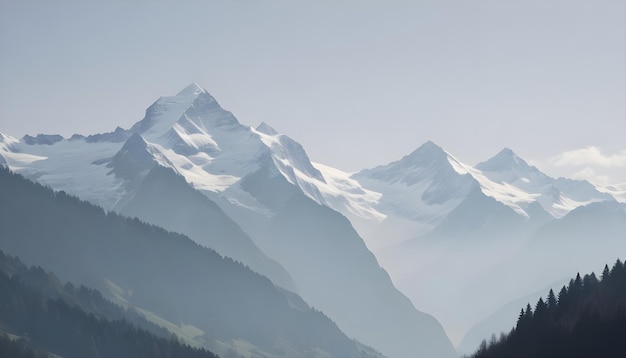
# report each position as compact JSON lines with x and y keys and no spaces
{"x":587,"y":318}
{"x":48,"y":317}
{"x":18,"y":348}
{"x":167,"y":273}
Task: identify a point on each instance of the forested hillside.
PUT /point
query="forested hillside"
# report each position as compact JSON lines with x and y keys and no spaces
{"x":586,"y":319}
{"x":73,"y":322}
{"x":230,"y":309}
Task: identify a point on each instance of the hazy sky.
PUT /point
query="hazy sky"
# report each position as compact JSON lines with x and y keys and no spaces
{"x":357,"y":83}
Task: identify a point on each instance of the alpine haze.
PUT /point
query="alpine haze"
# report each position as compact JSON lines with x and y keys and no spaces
{"x":191,"y":167}
{"x":342,"y":241}
{"x":393,"y":177}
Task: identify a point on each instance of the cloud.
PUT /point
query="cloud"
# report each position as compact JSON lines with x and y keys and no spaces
{"x":589,"y":174}
{"x":588,"y":163}
{"x":590,"y":157}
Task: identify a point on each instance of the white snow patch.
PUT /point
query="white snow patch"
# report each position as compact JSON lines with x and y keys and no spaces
{"x":344,"y":193}
{"x":337,"y":191}
{"x":457,"y":165}
{"x":195,"y":174}
{"x":196,"y":140}
{"x":69,"y":166}
{"x":564,"y":205}
{"x":505,"y":193}
{"x":168,"y":110}
{"x":241,"y":198}
{"x":618,"y":191}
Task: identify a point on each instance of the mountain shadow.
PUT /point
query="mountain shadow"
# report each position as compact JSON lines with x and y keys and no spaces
{"x":164,"y":198}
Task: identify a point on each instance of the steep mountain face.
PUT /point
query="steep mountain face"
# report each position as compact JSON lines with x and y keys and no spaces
{"x":325,"y":185}
{"x":267,"y":184}
{"x":318,"y":246}
{"x":117,"y":172}
{"x":191,"y":290}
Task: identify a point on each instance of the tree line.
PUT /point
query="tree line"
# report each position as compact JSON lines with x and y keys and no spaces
{"x":587,"y":318}
{"x":48,"y":317}
{"x":56,"y":326}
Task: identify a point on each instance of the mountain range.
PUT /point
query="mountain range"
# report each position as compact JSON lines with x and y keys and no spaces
{"x":188,"y":165}
{"x":471,"y":225}
{"x":439,"y":230}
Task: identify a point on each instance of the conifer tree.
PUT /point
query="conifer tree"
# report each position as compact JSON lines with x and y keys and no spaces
{"x":551,"y":300}
{"x":606,"y":273}
{"x":529,"y":311}
{"x":540,"y":308}
{"x":587,"y":320}
{"x":617,"y":267}
{"x":590,"y":282}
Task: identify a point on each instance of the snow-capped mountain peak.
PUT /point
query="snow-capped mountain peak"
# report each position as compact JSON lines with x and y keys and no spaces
{"x":522,"y":184}
{"x":502,"y":161}
{"x":422,"y":186}
{"x":192,"y":89}
{"x":428,"y":152}
{"x":427,"y":162}
{"x":266,"y":129}
{"x":508,"y":167}
{"x":185,"y":120}
{"x":8,"y":142}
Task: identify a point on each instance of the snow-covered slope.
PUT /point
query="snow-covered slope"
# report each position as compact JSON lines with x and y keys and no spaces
{"x":415,"y":194}
{"x":263,"y":181}
{"x":423,"y":186}
{"x":556,"y":196}
{"x":72,"y":165}
{"x":618,"y":191}
{"x":111,"y":170}
{"x":426,"y":185}
{"x":327,"y":186}
{"x":204,"y":142}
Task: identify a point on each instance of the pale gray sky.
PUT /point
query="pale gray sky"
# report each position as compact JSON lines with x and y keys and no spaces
{"x":357,"y":83}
